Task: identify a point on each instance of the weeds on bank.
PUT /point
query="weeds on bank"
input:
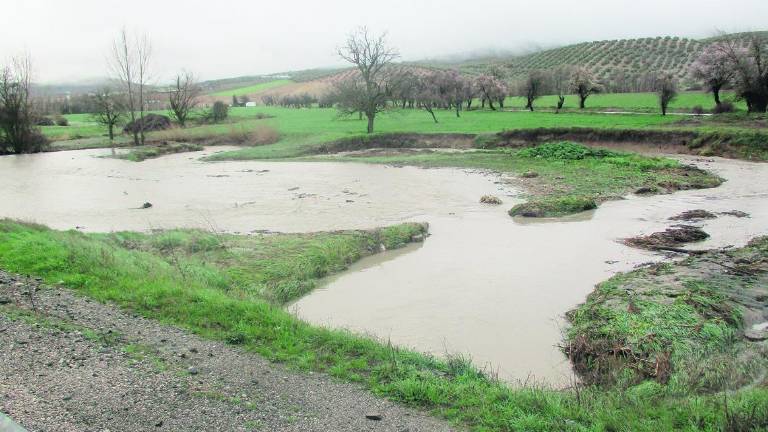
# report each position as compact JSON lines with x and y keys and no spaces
{"x":132,"y":271}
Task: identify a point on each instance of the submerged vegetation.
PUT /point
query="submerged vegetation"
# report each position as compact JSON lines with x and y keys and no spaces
{"x":569,"y":177}
{"x":186,"y":278}
{"x":686,"y":325}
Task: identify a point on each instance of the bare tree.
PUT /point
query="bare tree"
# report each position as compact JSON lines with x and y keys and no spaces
{"x":532,"y":88}
{"x":750,"y":71}
{"x":18,"y":133}
{"x":560,"y":84}
{"x":584,"y":85}
{"x":404,"y":87}
{"x":110,"y":109}
{"x":183,"y":96}
{"x":456,"y":90}
{"x":713,"y":68}
{"x":350,"y":96}
{"x":130,"y":65}
{"x":666,"y":90}
{"x":371,"y":55}
{"x":427,"y":93}
{"x":490,"y":89}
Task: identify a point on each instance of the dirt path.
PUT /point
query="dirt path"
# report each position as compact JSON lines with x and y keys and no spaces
{"x":78,"y":365}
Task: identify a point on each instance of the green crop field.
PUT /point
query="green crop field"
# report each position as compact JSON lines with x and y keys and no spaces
{"x":241,"y":91}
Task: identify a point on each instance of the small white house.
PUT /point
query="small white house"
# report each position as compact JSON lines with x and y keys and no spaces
{"x":250,"y":104}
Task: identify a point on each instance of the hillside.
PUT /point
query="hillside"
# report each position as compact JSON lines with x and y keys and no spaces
{"x":623,"y":65}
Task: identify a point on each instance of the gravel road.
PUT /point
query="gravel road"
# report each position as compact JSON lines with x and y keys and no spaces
{"x":71,"y":364}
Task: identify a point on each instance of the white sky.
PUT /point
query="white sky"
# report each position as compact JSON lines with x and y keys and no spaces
{"x":70,"y":39}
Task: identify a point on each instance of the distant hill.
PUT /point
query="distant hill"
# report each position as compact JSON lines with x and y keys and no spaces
{"x":617,"y":63}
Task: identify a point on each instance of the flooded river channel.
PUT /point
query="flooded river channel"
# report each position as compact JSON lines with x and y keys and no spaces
{"x":483,"y":285}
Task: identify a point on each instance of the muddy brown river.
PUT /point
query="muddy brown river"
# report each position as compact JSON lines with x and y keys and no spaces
{"x":483,"y":285}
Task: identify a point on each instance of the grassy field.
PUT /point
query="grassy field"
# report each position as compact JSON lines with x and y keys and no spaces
{"x":168,"y":276}
{"x":256,"y":88}
{"x":303,"y":128}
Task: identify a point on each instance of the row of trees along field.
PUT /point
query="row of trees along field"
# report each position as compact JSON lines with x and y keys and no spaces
{"x":381,"y":85}
{"x":126,"y":102}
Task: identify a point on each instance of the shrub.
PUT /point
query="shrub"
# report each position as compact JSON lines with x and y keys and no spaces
{"x":724,"y":107}
{"x":44,"y":121}
{"x":564,"y":150}
{"x":219,"y":112}
{"x":554,"y":207}
{"x":150,"y":122}
{"x":62,"y":121}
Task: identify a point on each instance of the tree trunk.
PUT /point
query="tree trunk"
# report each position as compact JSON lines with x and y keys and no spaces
{"x":582,"y":100}
{"x":560,"y":103}
{"x":458,"y":108}
{"x":431,"y":111}
{"x":716,"y":94}
{"x":370,"y":122}
{"x":111,"y":132}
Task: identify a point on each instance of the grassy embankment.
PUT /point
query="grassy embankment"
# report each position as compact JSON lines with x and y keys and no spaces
{"x":225,"y":288}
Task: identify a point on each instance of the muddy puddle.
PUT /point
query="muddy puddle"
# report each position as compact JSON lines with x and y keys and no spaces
{"x":482,"y":285}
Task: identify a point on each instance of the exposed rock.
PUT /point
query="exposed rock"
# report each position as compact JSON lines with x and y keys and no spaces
{"x":694,"y":215}
{"x":192,"y":370}
{"x":373,"y":416}
{"x":146,"y":205}
{"x":529,"y":174}
{"x":490,"y":199}
{"x":417,"y":238}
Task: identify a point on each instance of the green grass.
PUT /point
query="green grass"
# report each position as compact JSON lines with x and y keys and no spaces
{"x":302,"y":130}
{"x":198,"y":297}
{"x":241,"y":91}
{"x":277,"y":268}
{"x":678,"y":323}
{"x":138,"y":154}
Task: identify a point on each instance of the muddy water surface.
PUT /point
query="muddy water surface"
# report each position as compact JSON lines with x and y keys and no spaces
{"x":483,"y":284}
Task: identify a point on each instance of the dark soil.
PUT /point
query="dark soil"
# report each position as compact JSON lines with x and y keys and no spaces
{"x":670,"y":238}
{"x":690,"y":215}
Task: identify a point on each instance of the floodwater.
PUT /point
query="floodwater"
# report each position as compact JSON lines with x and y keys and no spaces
{"x":483,"y":285}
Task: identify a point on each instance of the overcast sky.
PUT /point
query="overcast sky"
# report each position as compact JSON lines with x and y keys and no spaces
{"x":70,"y":40}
